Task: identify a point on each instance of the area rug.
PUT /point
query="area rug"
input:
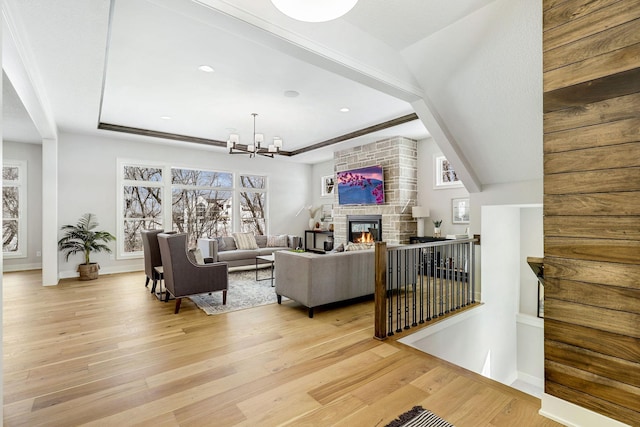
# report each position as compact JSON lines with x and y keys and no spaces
{"x":244,"y":292}
{"x":419,"y":417}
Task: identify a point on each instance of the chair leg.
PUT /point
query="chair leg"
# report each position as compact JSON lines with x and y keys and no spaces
{"x":146,"y":284}
{"x":224,"y":297}
{"x":153,"y":287}
{"x":166,"y":295}
{"x":310,"y":312}
{"x":279,"y":299}
{"x":178,"y":301}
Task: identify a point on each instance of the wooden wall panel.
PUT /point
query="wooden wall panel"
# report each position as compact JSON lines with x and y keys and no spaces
{"x":600,"y":135}
{"x":603,"y":342}
{"x":590,"y":159}
{"x":610,"y":297}
{"x":613,"y":203}
{"x":592,"y":204}
{"x":607,"y":41}
{"x":596,"y":363}
{"x":604,"y":273}
{"x":593,"y":227}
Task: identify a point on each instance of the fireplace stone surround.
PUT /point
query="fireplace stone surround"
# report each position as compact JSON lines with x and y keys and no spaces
{"x":398,"y":158}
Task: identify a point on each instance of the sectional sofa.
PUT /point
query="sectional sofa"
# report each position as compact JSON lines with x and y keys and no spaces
{"x":317,"y":279}
{"x":225,"y":249}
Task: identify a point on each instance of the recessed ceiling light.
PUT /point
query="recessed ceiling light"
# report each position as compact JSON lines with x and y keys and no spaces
{"x":291,"y":93}
{"x":345,"y":110}
{"x":206,"y":69}
{"x":165,"y":117}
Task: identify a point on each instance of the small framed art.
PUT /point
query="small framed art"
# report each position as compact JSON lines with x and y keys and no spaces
{"x":328,"y":186}
{"x":460,"y":211}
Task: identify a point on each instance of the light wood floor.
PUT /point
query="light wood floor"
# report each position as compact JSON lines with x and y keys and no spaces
{"x":107,"y":353}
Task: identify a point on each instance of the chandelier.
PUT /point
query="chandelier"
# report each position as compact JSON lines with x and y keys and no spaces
{"x":233,"y":144}
{"x":314,"y":10}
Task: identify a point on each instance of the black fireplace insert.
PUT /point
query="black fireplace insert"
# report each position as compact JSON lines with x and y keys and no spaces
{"x":364,"y":228}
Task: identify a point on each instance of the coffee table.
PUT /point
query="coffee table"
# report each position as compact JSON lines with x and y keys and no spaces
{"x":265,"y":259}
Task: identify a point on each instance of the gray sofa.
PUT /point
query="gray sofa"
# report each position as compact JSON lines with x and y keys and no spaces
{"x":317,"y":279}
{"x":224,"y":249}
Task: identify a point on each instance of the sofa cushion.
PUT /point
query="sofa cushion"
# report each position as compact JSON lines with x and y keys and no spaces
{"x":277,"y":241}
{"x":245,"y":241}
{"x":239,"y":254}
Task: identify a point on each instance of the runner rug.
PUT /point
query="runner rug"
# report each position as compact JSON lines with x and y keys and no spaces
{"x":419,"y":417}
{"x":244,"y":292}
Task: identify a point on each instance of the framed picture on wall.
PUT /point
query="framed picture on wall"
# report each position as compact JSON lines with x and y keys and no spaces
{"x":328,"y":186}
{"x":444,"y":176}
{"x":460,"y":211}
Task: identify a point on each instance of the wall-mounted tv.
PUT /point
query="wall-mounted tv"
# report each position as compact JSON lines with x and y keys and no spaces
{"x":364,"y":186}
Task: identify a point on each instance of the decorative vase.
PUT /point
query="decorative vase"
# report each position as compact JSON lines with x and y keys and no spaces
{"x":312,"y":223}
{"x":436,"y":232}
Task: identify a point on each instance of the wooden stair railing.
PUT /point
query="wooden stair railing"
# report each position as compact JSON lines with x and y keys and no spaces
{"x":419,"y":284}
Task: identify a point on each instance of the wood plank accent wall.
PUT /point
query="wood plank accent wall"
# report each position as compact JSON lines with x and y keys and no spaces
{"x":592,"y":204}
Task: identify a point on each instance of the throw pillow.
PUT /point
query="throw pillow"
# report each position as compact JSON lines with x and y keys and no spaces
{"x":196,"y":256}
{"x":339,"y":248}
{"x":245,"y":241}
{"x":277,"y":241}
{"x":221,"y":244}
{"x":358,"y":246}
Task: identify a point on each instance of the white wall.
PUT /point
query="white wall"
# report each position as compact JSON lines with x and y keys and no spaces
{"x":531,"y":244}
{"x":437,"y":200}
{"x":32,"y":155}
{"x":483,"y":75}
{"x":88,"y":181}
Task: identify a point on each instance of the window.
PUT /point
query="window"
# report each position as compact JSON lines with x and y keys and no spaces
{"x":253,"y":202}
{"x":142,"y":189}
{"x":14,"y":209}
{"x":202,"y":203}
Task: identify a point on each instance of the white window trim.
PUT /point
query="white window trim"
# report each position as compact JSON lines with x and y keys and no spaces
{"x":166,"y":219}
{"x":22,"y":208}
{"x":238,"y":188}
{"x":167,"y":186}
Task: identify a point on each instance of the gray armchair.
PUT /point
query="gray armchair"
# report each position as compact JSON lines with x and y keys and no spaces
{"x":183,"y":277}
{"x":152,"y":257}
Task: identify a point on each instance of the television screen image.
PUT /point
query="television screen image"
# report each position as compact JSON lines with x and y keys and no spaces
{"x":364,"y":186}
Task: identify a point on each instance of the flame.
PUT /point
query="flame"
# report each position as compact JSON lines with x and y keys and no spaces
{"x":365,"y":237}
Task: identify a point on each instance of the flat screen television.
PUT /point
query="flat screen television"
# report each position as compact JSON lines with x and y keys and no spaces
{"x":364,"y":186}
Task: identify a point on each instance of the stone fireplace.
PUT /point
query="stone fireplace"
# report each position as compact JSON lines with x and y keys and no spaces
{"x":364,"y":228}
{"x":398,"y":158}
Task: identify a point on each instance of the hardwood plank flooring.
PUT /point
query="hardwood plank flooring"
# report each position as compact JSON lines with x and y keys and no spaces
{"x":106,"y":352}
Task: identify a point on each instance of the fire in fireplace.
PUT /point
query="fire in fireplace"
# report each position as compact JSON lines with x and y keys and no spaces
{"x":364,"y":228}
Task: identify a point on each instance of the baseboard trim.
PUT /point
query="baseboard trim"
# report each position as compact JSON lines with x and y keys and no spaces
{"x":530,"y":379}
{"x":68,"y":274}
{"x":572,"y":415}
{"x":21,"y":267}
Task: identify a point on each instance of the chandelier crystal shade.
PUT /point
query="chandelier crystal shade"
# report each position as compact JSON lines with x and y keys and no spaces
{"x":314,"y":10}
{"x":256,"y":148}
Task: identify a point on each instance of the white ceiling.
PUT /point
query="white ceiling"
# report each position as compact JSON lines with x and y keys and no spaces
{"x":146,"y":67}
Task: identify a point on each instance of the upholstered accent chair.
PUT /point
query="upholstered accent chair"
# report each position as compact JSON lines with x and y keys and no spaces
{"x":152,"y":257}
{"x":183,"y":277}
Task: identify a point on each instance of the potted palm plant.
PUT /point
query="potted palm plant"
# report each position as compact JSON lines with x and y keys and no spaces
{"x":81,"y":238}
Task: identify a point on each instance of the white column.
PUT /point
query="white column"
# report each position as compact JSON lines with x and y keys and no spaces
{"x":50,"y":212}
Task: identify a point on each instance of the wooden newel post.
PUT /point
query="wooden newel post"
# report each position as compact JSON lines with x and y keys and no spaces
{"x":380,"y":309}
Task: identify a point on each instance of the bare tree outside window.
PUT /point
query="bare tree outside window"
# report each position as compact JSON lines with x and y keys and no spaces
{"x":10,"y":208}
{"x":253,"y":202}
{"x":142,"y":205}
{"x":201,"y":203}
